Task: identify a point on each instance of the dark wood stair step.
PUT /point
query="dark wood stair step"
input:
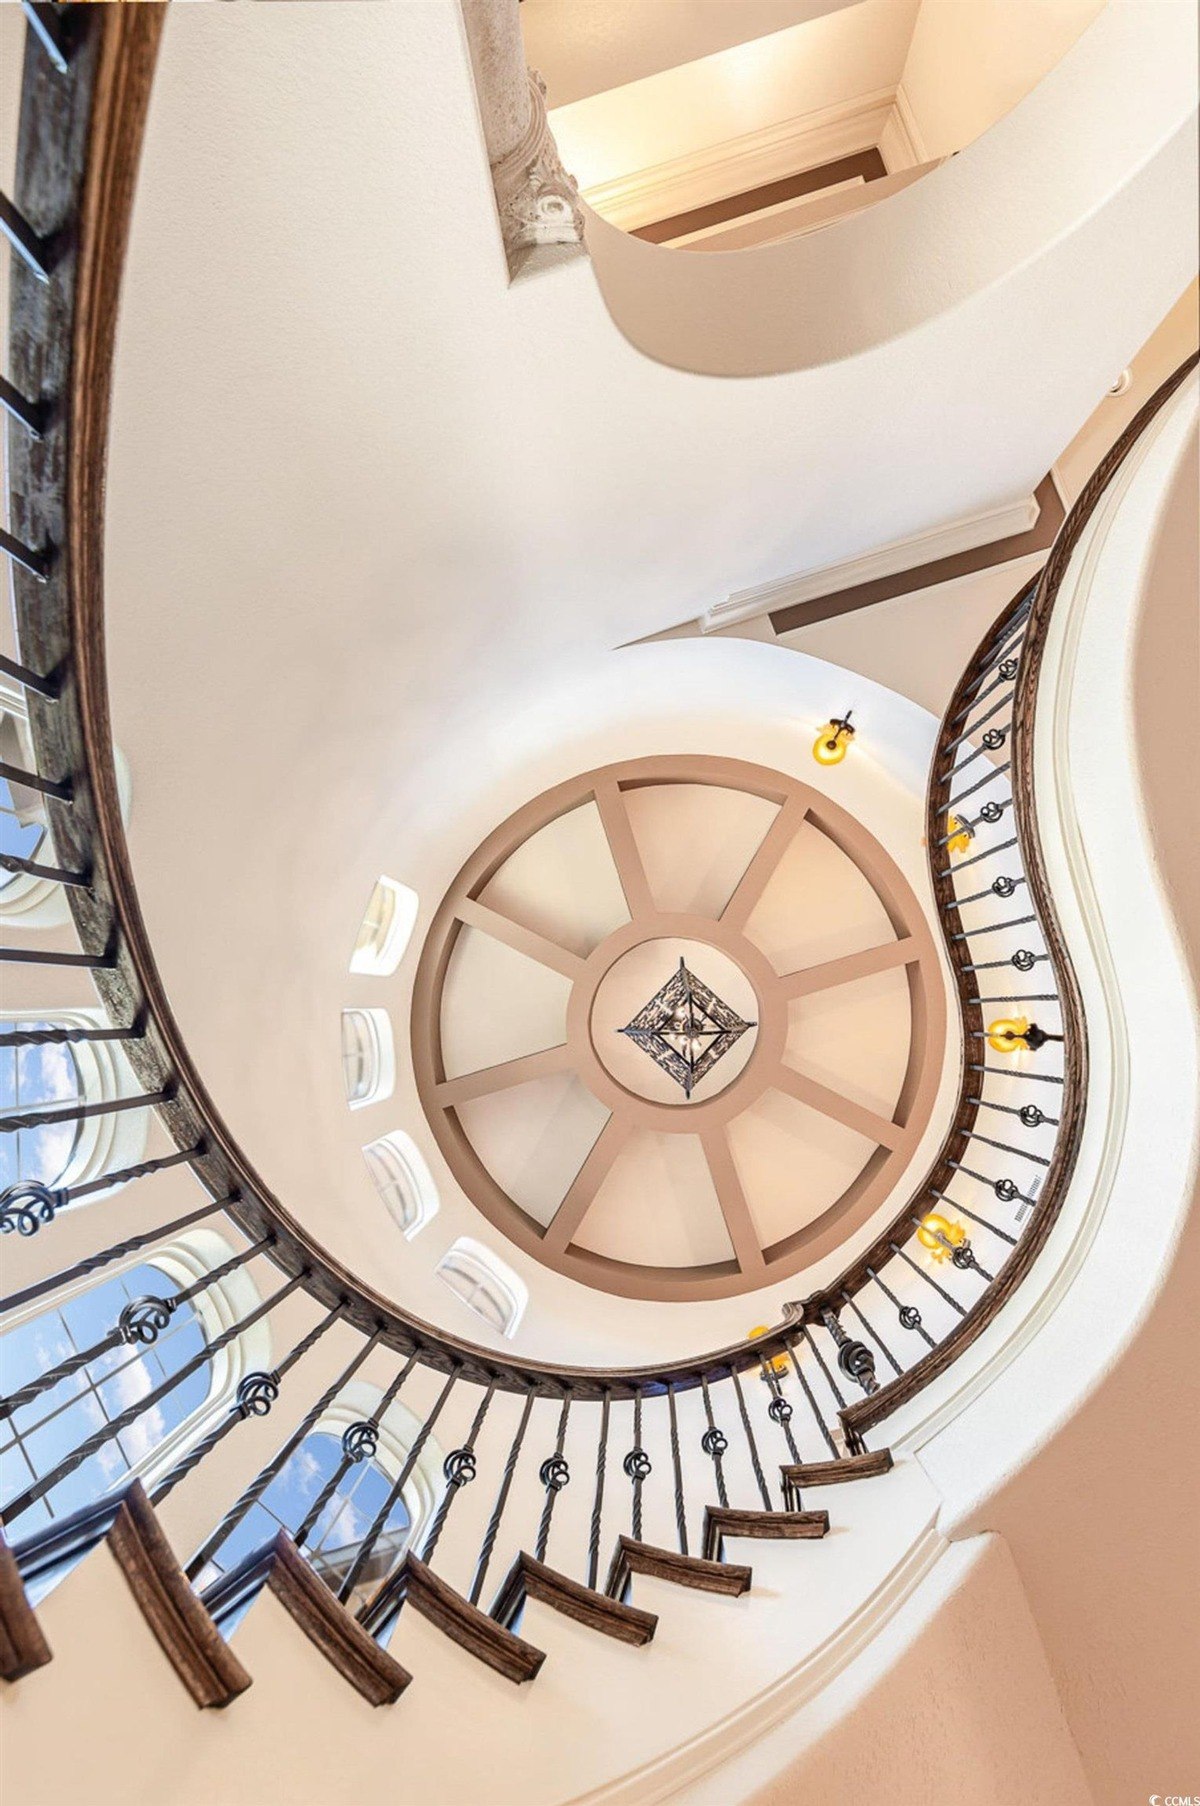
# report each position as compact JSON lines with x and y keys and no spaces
{"x":832,"y":1473}
{"x":529,"y":1578}
{"x":721,"y":1521}
{"x":630,"y":1557}
{"x":466,"y":1625}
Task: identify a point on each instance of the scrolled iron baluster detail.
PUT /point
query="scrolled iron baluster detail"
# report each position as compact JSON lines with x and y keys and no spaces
{"x":1004,"y":886}
{"x":779,"y":1410}
{"x":637,"y":1465}
{"x":714,"y":1443}
{"x":994,"y":738}
{"x":910,"y":1317}
{"x":144,"y":1319}
{"x":854,"y":1358}
{"x":555,"y":1473}
{"x":27,"y":1205}
{"x":257,"y":1393}
{"x":460,"y":1467}
{"x":991,"y":812}
{"x":1006,"y":1190}
{"x":1024,"y":960}
{"x":1031,"y":1116}
{"x":1007,"y":669}
{"x":360,"y":1440}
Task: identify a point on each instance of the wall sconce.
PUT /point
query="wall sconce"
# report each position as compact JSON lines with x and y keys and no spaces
{"x":776,"y":1363}
{"x":958,"y":838}
{"x":1013,"y":1034}
{"x":940,"y":1235}
{"x":833,"y":741}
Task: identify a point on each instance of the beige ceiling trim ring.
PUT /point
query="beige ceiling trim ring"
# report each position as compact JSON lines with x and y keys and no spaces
{"x":709,"y":1117}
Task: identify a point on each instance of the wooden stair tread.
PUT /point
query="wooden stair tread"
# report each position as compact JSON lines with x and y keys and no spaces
{"x":183,"y":1628}
{"x":23,"y":1647}
{"x":467,"y":1626}
{"x":631,"y":1557}
{"x":721,"y":1521}
{"x":339,"y":1636}
{"x":529,"y":1578}
{"x":833,"y":1473}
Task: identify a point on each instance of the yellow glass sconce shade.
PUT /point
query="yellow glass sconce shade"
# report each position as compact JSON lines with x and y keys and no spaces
{"x":959,"y":837}
{"x":777,"y":1363}
{"x":940,"y":1236}
{"x":833,"y":742}
{"x":1008,"y":1034}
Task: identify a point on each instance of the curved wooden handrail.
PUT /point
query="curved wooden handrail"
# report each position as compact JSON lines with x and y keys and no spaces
{"x":77,"y":163}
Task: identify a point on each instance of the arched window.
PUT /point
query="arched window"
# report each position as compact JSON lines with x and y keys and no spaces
{"x":36,"y":1438}
{"x":59,"y":1074}
{"x":403,"y":1180}
{"x":368,"y":1056}
{"x":485,"y":1285}
{"x":40,"y":1435}
{"x":386,"y":928}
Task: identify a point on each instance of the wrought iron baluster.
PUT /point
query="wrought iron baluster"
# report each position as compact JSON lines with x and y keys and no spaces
{"x":493,"y":1524}
{"x":554,"y":1474}
{"x":367,"y":1546}
{"x":714,"y":1444}
{"x":908,"y":1314}
{"x":256,"y":1394}
{"x":598,"y":1501}
{"x":141,"y":1322}
{"x":874,"y":1334}
{"x":750,"y":1442}
{"x":780,"y":1409}
{"x":97,"y":1440}
{"x":94,"y":1262}
{"x":853,"y":1358}
{"x":809,"y":1394}
{"x":458,"y":1470}
{"x":677,"y":1465}
{"x":928,"y":1278}
{"x":359,"y":1443}
{"x":638,"y":1468}
{"x":110,"y":1106}
{"x":258,"y":1486}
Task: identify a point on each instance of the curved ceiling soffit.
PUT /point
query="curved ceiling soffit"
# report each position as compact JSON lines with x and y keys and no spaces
{"x":635,"y":1086}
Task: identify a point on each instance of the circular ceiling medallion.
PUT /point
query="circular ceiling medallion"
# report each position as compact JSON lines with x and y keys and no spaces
{"x":675,"y":1035}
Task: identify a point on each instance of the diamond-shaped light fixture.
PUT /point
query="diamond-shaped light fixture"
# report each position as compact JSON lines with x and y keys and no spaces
{"x":685,"y":1028}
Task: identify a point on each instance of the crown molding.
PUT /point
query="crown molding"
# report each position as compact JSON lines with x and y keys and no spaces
{"x":966,"y":534}
{"x":749,"y":161}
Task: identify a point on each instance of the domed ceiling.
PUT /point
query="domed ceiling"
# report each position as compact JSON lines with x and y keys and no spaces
{"x":678,"y":1026}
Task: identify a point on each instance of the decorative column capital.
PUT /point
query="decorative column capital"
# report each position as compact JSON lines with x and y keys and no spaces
{"x":538,"y":201}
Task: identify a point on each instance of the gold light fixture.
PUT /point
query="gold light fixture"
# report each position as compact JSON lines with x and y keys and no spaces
{"x":776,"y":1363}
{"x":959,"y":837}
{"x":833,"y":741}
{"x":1016,"y":1034}
{"x":940,"y":1235}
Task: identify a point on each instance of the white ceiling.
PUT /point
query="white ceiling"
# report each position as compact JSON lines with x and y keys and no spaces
{"x":377,"y":519}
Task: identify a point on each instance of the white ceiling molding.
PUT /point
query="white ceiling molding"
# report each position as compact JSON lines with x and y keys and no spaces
{"x":767,"y":155}
{"x":962,"y":535}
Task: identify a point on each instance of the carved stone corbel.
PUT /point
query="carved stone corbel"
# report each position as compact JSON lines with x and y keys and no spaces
{"x":537,"y":200}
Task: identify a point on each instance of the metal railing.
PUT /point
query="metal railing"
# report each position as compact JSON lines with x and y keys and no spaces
{"x":765,"y":1414}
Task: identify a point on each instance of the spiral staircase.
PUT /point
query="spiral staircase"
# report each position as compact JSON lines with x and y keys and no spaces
{"x":595,"y":1493}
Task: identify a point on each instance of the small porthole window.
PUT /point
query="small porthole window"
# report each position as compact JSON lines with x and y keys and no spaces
{"x":485,"y":1285}
{"x":403,"y":1180}
{"x":368,"y":1056}
{"x":386,"y":928}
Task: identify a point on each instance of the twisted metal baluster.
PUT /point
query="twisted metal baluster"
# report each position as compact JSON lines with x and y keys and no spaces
{"x":118,"y":1251}
{"x":459,"y":1470}
{"x":554,"y":1474}
{"x":78,"y":1456}
{"x":493,"y":1526}
{"x":141,"y":1322}
{"x":638,"y":1467}
{"x":810,"y":1396}
{"x":677,"y":1464}
{"x":598,"y":1501}
{"x":28,"y":1204}
{"x":714,"y":1444}
{"x":255,"y":1396}
{"x":872,"y":1332}
{"x":779,"y":1410}
{"x":753,"y":1446}
{"x":258,"y":1486}
{"x":909,"y":1315}
{"x":385,"y":1510}
{"x":358,"y":1443}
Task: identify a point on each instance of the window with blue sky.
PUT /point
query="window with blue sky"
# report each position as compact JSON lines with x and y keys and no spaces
{"x":38,"y":1078}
